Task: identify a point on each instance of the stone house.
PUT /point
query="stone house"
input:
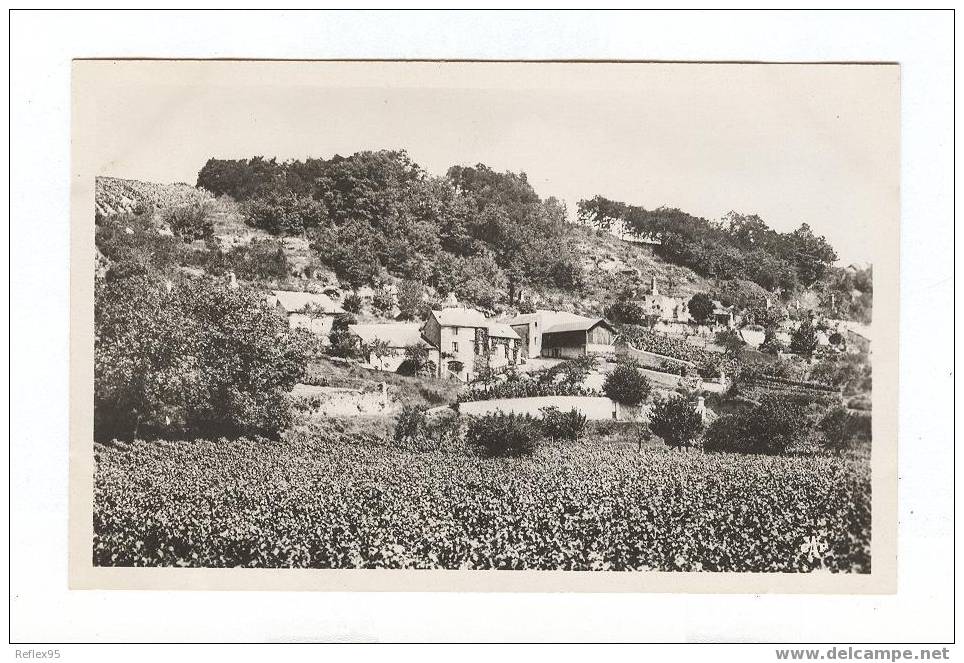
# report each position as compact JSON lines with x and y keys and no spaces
{"x":306,"y":310}
{"x":466,"y":342}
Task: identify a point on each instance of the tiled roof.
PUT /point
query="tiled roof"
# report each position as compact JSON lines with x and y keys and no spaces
{"x":460,"y":317}
{"x":397,"y":335}
{"x":502,"y":330}
{"x":575,"y":325}
{"x":292,"y":301}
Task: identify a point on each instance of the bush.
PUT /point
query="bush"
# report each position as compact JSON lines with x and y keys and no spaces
{"x":625,"y":312}
{"x":260,"y":260}
{"x":772,"y":427}
{"x":627,"y":385}
{"x":352,"y":303}
{"x":284,"y":213}
{"x":558,"y":425}
{"x":383,"y":301}
{"x":523,"y":388}
{"x":191,"y":221}
{"x":701,"y":307}
{"x":504,"y":434}
{"x":191,"y":358}
{"x":341,"y":341}
{"x":676,"y":421}
{"x":411,"y":424}
{"x":410,"y":300}
{"x":842,"y":428}
{"x":803,"y":341}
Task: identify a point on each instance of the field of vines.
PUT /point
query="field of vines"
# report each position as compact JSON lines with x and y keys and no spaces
{"x":334,"y":498}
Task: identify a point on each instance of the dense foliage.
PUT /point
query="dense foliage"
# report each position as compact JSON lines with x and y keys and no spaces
{"x":334,"y":499}
{"x":190,"y":357}
{"x":841,"y":428}
{"x":701,"y":308}
{"x":676,"y":421}
{"x":771,"y":427}
{"x":739,"y":247}
{"x":627,"y":384}
{"x":559,"y":425}
{"x":473,"y":232}
{"x":503,"y":434}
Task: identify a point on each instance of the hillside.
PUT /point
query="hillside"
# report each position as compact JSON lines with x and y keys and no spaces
{"x":113,"y":195}
{"x":609,"y":264}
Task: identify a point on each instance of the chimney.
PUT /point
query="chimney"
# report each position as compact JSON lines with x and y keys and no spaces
{"x":701,"y":407}
{"x":652,"y":287}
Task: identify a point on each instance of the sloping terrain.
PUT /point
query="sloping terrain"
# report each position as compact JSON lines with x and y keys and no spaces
{"x":113,"y":195}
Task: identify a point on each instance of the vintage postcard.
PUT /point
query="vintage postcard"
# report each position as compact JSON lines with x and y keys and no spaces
{"x":484,"y":326}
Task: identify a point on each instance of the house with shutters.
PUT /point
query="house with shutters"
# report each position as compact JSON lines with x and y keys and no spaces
{"x":466,"y":341}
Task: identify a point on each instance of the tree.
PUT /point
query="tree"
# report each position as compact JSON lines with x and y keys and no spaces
{"x":416,"y":361}
{"x":771,"y":344}
{"x":803,"y":341}
{"x":626,"y":312}
{"x":191,"y":357}
{"x":411,"y":424}
{"x":352,"y":303}
{"x":352,"y":251}
{"x":410,"y":300}
{"x":701,"y":308}
{"x":731,"y":341}
{"x":676,"y":421}
{"x":342,"y":342}
{"x":383,"y":301}
{"x":627,"y":384}
{"x":811,"y":255}
{"x":379,"y":349}
{"x":284,"y":213}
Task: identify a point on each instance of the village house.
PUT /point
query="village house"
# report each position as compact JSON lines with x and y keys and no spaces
{"x":663,"y":307}
{"x":467,"y":342}
{"x":562,"y":334}
{"x":314,"y":312}
{"x":396,"y":337}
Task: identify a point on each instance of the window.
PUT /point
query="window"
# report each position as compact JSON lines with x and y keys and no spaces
{"x":455,"y":346}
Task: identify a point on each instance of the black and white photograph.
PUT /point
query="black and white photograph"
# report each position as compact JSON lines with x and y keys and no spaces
{"x":604,"y":318}
{"x":481,"y":326}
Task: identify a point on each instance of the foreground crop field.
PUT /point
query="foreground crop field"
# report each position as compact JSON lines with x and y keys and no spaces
{"x":334,"y":499}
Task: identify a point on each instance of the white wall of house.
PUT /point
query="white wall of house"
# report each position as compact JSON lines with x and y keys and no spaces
{"x":318,"y":324}
{"x":458,"y":344}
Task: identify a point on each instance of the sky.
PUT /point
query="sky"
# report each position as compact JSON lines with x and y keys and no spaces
{"x":793,"y":143}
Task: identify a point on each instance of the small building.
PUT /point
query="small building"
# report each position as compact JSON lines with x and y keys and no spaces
{"x":577,"y":338}
{"x":531,"y":326}
{"x":663,"y":307}
{"x":397,"y":336}
{"x":306,"y":310}
{"x":466,"y":342}
{"x":723,"y":315}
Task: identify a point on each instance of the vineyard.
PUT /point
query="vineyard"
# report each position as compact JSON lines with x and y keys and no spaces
{"x":335,"y":498}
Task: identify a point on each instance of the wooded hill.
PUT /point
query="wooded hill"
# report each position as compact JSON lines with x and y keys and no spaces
{"x":486,"y":236}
